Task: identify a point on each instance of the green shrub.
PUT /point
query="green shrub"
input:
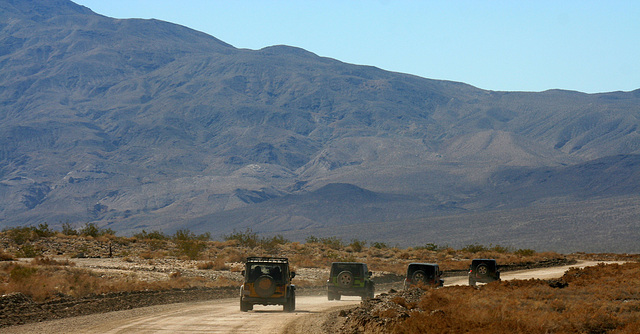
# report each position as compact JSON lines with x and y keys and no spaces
{"x":156,"y":244}
{"x":204,"y":236}
{"x":379,"y":245}
{"x":92,"y":230}
{"x":28,"y":250}
{"x":154,"y":235}
{"x":311,"y":239}
{"x":501,"y":249}
{"x":43,"y":230}
{"x":332,"y":242}
{"x":23,"y":234}
{"x":525,"y":252}
{"x":247,"y":238}
{"x":67,"y":229}
{"x":107,"y":231}
{"x":430,"y":247}
{"x":21,"y":274}
{"x":269,"y":244}
{"x":186,"y":234}
{"x":183,"y":235}
{"x":20,"y":235}
{"x":89,"y":230}
{"x":357,"y":245}
{"x":475,"y":248}
{"x":190,"y":248}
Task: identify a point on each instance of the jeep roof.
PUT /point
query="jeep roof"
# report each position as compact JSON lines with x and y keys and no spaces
{"x":357,"y":268}
{"x":475,"y":262}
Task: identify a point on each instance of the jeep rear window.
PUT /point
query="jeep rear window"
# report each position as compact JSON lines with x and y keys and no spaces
{"x":428,"y":270}
{"x":354,"y":268}
{"x":487,"y":262}
{"x":259,"y":269}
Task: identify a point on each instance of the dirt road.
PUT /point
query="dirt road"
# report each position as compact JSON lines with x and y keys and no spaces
{"x":215,"y":316}
{"x":541,"y":273}
{"x":224,"y":316}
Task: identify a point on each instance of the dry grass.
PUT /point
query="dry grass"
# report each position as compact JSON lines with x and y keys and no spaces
{"x":6,"y":256}
{"x":216,"y":264}
{"x":45,"y":277}
{"x":598,"y":299}
{"x":47,"y":261}
{"x":316,"y":253}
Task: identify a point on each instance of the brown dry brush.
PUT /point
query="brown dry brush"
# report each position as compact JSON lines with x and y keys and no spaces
{"x":6,"y":256}
{"x":314,"y":253}
{"x":601,"y":299}
{"x":45,"y":278}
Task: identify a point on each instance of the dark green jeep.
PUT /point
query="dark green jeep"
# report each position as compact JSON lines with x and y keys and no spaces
{"x":349,"y":279}
{"x":427,"y":274}
{"x":483,"y":270}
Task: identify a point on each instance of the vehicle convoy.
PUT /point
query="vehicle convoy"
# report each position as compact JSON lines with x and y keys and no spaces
{"x":267,"y":281}
{"x":423,"y":274}
{"x":349,"y":279}
{"x":484,"y":271}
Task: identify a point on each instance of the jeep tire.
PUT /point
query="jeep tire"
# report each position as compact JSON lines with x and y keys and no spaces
{"x":419,"y":276}
{"x":244,"y":306}
{"x":370,"y":292}
{"x":482,"y":269}
{"x":290,"y":303}
{"x":265,"y":286}
{"x":345,"y":279}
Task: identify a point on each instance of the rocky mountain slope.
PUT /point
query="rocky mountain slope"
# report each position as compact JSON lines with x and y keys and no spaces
{"x":136,"y":124}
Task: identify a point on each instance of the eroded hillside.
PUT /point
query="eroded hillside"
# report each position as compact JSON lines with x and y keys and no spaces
{"x":143,"y":124}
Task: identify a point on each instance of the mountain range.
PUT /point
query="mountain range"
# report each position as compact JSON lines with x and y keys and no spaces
{"x":138,"y":124}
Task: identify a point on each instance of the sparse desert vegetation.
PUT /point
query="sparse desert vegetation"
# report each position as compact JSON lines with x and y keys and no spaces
{"x":600,"y":299}
{"x":155,"y":260}
{"x":44,"y":265}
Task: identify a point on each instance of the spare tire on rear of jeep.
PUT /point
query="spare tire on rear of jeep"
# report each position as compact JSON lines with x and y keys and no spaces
{"x":265,"y":286}
{"x":349,"y":279}
{"x":419,"y":276}
{"x":345,"y":279}
{"x":482,"y":269}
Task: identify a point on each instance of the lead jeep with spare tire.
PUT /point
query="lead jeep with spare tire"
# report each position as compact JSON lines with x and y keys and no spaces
{"x":349,"y":279}
{"x":484,"y":271}
{"x":267,"y":281}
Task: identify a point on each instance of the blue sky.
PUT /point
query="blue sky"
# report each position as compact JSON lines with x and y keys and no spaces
{"x":587,"y":46}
